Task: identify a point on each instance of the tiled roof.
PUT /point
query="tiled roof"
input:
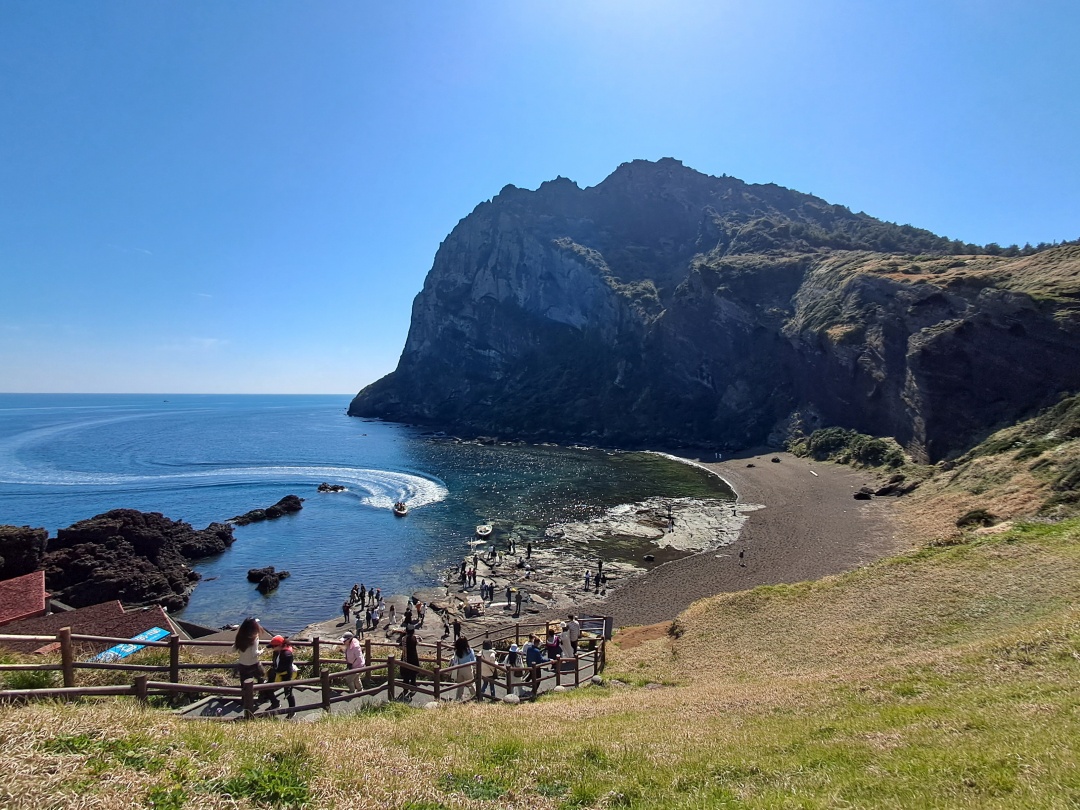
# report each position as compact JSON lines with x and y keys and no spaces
{"x":22,"y":597}
{"x":106,"y":619}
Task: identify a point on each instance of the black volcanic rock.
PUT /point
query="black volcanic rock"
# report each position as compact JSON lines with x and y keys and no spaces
{"x":21,"y":550}
{"x":136,"y":557}
{"x":667,"y":307}
{"x":286,"y":506}
{"x":267,"y":579}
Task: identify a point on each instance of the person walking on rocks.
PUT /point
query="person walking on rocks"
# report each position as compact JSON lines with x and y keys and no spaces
{"x":528,"y":551}
{"x":363,"y":595}
{"x":463,"y":654}
{"x":508,"y":595}
{"x":457,"y":629}
{"x":517,"y":603}
{"x":247,"y":644}
{"x":588,"y":579}
{"x":345,"y":610}
{"x":354,"y":659}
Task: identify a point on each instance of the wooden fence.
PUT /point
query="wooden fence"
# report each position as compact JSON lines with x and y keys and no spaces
{"x":384,"y":678}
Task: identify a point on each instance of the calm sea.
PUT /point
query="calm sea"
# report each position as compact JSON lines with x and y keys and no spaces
{"x":64,"y":458}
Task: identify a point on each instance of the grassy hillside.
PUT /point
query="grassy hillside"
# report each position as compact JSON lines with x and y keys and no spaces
{"x":943,"y":678}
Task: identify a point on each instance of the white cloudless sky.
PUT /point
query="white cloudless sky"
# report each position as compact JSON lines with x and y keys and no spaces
{"x":246,"y":196}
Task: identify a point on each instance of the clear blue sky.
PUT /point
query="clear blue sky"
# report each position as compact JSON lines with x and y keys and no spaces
{"x":208,"y":196}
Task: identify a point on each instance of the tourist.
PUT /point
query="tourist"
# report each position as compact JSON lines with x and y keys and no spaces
{"x":551,"y":645}
{"x":457,"y":629}
{"x":421,"y":612}
{"x":588,"y":579}
{"x":528,"y":551}
{"x":566,"y":651}
{"x":345,"y":610}
{"x":509,"y":594}
{"x":363,"y":595}
{"x":517,"y":602}
{"x":361,"y":617}
{"x":282,"y":667}
{"x":534,"y":656}
{"x":354,"y":659}
{"x":573,"y":629}
{"x":463,"y":654}
{"x":742,"y":563}
{"x":378,"y":596}
{"x":487,"y":668}
{"x":367,"y":617}
{"x":376,"y":615}
{"x":247,"y":644}
{"x":411,"y":642}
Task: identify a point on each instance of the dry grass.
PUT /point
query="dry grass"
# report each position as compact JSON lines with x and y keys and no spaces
{"x":942,"y":677}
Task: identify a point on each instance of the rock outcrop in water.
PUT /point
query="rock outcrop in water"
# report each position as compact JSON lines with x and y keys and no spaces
{"x":137,"y":557}
{"x":288,"y":505}
{"x":668,"y":307}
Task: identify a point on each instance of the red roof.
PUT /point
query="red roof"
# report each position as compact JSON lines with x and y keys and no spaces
{"x":22,"y":597}
{"x":106,"y":619}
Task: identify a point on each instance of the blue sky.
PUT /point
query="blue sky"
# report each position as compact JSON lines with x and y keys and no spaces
{"x":246,"y":196}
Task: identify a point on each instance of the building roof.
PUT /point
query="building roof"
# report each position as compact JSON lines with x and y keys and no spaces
{"x":22,"y":597}
{"x":105,"y":619}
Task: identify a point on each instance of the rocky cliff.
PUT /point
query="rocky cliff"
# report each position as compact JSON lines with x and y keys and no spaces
{"x":667,"y":307}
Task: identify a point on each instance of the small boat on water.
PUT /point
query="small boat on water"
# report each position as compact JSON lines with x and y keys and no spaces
{"x":483,"y":530}
{"x":400,"y":509}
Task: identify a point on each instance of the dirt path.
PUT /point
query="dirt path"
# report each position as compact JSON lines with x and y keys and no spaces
{"x":810,"y":526}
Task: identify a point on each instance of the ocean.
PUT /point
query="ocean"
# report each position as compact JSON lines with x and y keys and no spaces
{"x":64,"y":458}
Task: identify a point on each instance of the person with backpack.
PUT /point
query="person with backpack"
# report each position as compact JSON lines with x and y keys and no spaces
{"x":534,"y":656}
{"x":282,"y":669}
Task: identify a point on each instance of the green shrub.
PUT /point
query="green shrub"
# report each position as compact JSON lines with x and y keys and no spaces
{"x":30,"y":680}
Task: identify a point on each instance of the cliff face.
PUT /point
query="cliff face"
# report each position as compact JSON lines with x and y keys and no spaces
{"x":664,"y":306}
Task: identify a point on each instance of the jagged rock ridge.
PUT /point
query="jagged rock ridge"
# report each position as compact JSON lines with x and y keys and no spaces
{"x":665,"y":306}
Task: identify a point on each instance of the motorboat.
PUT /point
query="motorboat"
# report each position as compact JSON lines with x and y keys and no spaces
{"x":483,"y":530}
{"x":400,"y":509}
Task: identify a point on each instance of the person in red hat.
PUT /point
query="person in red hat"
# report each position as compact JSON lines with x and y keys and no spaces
{"x":282,"y":667}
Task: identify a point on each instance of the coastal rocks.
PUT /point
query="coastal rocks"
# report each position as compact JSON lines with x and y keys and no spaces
{"x":136,"y":557}
{"x":325,"y":487}
{"x":286,"y":506}
{"x":267,"y":579}
{"x":21,"y":550}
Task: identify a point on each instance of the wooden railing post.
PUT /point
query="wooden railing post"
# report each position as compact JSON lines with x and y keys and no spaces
{"x":517,"y":633}
{"x":140,"y":687}
{"x":557,"y":663}
{"x":367,"y":651}
{"x":174,"y":658}
{"x":438,"y":653}
{"x":437,"y":683}
{"x":67,"y":655}
{"x":477,"y":681}
{"x":577,"y":672}
{"x":247,"y":697}
{"x":316,"y":663}
{"x":601,"y":661}
{"x":391,"y":674}
{"x":509,"y":681}
{"x":326,"y":694}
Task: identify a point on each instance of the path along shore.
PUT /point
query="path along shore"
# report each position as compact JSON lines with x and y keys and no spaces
{"x":808,"y":526}
{"x":794,"y":520}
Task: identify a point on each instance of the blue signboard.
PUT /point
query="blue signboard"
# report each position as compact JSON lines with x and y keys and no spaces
{"x":124,"y":650}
